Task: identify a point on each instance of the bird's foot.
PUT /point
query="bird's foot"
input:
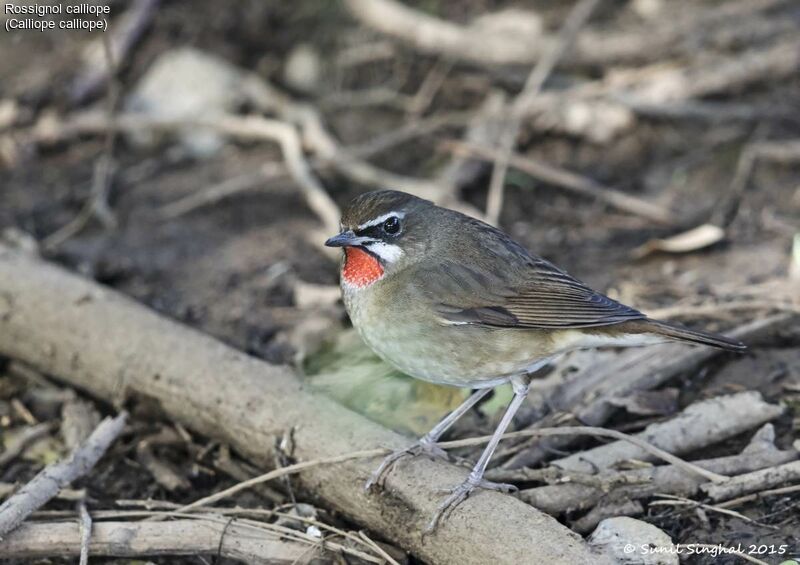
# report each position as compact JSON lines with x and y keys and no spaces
{"x":460,"y":493}
{"x":423,"y":446}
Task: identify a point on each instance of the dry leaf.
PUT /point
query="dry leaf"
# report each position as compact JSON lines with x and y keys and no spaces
{"x":686,"y":242}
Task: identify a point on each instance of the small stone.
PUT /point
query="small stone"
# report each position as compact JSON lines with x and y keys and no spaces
{"x":187,"y":84}
{"x":303,"y":68}
{"x":632,"y":541}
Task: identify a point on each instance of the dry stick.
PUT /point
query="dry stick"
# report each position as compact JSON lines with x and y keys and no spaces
{"x":97,"y":203}
{"x":378,"y":549}
{"x":432,"y":35}
{"x":23,"y":440}
{"x":291,"y":145}
{"x":274,"y":171}
{"x":52,"y":478}
{"x":216,"y":512}
{"x":222,"y":516}
{"x":177,"y":537}
{"x":471,"y":43}
{"x":86,"y":532}
{"x":567,"y":430}
{"x":330,"y":152}
{"x":755,"y":481}
{"x":590,"y":393}
{"x":717,"y":310}
{"x":674,"y":500}
{"x":758,"y":495}
{"x":570,"y":181}
{"x":703,"y":423}
{"x":577,"y":17}
{"x":125,"y":32}
{"x":571,"y":490}
{"x":224,"y":189}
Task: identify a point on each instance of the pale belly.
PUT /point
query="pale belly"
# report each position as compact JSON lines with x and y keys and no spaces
{"x":420,"y":345}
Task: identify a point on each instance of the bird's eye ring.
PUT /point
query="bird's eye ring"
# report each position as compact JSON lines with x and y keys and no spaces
{"x":391,"y":226}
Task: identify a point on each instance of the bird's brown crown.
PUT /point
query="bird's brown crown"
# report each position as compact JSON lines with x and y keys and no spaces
{"x":371,"y":205}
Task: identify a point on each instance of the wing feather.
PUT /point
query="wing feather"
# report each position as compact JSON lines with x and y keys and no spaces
{"x":525,"y":292}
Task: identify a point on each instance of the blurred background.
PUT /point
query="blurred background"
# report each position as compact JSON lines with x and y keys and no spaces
{"x":195,"y":156}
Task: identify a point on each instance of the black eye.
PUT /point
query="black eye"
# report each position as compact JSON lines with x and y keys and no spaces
{"x":391,"y":225}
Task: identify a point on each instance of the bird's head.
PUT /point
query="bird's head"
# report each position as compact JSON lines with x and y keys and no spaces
{"x":381,"y":233}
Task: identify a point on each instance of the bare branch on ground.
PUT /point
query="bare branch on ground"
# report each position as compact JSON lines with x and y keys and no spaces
{"x":53,"y":478}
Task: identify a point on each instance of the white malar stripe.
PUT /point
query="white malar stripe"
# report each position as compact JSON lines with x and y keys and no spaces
{"x":388,"y":252}
{"x":380,"y":220}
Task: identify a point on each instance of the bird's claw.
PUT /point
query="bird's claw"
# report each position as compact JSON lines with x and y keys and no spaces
{"x":422,"y":446}
{"x":459,"y":494}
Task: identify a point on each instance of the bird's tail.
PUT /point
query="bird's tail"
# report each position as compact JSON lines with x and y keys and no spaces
{"x":681,"y":333}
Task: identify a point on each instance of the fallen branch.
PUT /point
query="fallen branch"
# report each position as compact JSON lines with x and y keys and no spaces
{"x":225,"y":538}
{"x":701,"y":424}
{"x":242,"y":127}
{"x":679,"y":34}
{"x":571,"y":493}
{"x":23,"y":440}
{"x":433,"y":35}
{"x":576,"y":19}
{"x":753,"y":482}
{"x":572,"y":182}
{"x":55,"y":320}
{"x":53,"y":478}
{"x":592,"y":393}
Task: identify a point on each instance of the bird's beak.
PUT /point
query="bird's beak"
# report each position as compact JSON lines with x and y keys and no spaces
{"x":344,"y":239}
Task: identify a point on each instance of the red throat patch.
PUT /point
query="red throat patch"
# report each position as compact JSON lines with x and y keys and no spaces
{"x":360,"y":268}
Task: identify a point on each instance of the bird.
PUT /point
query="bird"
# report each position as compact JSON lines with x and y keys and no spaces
{"x":449,"y":299}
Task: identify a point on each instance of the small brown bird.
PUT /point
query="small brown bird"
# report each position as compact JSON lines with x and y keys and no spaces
{"x":449,"y":299}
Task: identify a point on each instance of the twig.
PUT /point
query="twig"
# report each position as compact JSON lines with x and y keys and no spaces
{"x":430,"y":86}
{"x":52,"y":478}
{"x":277,"y":473}
{"x":125,"y":33}
{"x":571,"y":181}
{"x":378,"y":549}
{"x":590,"y":393}
{"x":720,"y":309}
{"x":598,"y":432}
{"x":673,"y":500}
{"x":755,"y":481}
{"x":274,"y":171}
{"x":86,"y":532}
{"x":757,"y":495}
{"x":192,"y":536}
{"x":247,"y":127}
{"x":699,"y":425}
{"x":577,"y":17}
{"x":679,"y":34}
{"x":97,"y":203}
{"x":164,"y":474}
{"x":566,"y":430}
{"x":432,"y":35}
{"x":288,"y":138}
{"x":23,"y":440}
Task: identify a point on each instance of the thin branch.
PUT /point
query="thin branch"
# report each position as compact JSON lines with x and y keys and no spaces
{"x":86,"y":532}
{"x":53,"y":478}
{"x":566,"y":430}
{"x":576,"y":19}
{"x":571,"y":181}
{"x":23,"y":440}
{"x":207,"y":535}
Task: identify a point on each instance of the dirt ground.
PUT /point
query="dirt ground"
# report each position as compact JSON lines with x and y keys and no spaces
{"x":232,"y":268}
